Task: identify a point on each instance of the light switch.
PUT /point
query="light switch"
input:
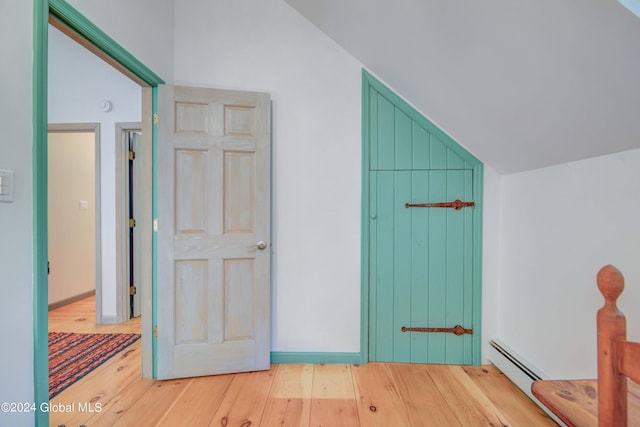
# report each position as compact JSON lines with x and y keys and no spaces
{"x":84,"y":205}
{"x":6,"y":186}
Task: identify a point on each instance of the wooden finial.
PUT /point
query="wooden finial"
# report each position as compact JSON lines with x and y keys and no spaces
{"x":610,"y":283}
{"x":612,"y":385}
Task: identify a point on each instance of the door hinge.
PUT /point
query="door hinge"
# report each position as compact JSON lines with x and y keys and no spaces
{"x":132,"y":290}
{"x":155,"y":118}
{"x":155,"y":331}
{"x":155,"y":225}
{"x":132,"y":155}
{"x":457,"y":330}
{"x":457,"y":205}
{"x":132,"y":222}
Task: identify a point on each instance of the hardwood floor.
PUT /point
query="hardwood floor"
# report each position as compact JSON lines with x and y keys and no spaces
{"x":374,"y":394}
{"x":80,"y":317}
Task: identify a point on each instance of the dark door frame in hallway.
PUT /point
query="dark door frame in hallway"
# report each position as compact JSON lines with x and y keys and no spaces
{"x":128,"y":195}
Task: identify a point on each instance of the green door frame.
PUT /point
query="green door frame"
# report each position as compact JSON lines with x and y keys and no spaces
{"x":369,"y":82}
{"x":101,"y":42}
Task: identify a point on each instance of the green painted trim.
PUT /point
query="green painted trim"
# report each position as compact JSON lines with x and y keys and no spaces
{"x":478,"y":189}
{"x":40,"y":243}
{"x":368,"y":81}
{"x":301,"y":357}
{"x":154,"y":238}
{"x":364,"y":224}
{"x":76,"y":21}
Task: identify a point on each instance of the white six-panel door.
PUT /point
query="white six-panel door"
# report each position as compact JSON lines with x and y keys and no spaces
{"x":213,"y":232}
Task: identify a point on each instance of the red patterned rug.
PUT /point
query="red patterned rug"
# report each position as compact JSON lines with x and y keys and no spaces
{"x":72,"y":356}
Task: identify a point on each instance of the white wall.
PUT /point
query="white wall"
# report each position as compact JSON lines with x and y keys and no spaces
{"x":560,"y":226}
{"x":491,"y":229}
{"x":16,"y":241}
{"x":315,"y":86}
{"x":72,"y":229}
{"x":142,"y":27}
{"x":316,"y":91}
{"x":78,"y":82}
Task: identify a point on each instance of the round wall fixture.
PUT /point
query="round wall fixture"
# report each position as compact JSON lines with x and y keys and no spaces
{"x":106,"y":106}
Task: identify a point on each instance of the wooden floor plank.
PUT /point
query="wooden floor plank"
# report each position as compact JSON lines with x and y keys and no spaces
{"x":288,"y":395}
{"x":377,"y":395}
{"x":289,"y":402}
{"x":472,"y":407}
{"x":80,"y":317}
{"x":152,"y":406}
{"x":425,"y":405}
{"x":199,"y":402}
{"x":100,"y":386}
{"x":512,"y":402}
{"x":120,"y":404}
{"x":245,"y":399}
{"x":333,"y":397}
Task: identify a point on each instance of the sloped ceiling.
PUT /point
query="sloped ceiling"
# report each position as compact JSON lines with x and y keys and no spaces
{"x":521,"y":84}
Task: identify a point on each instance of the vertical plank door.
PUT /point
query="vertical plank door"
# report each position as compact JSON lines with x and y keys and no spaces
{"x":422,"y":266}
{"x":420,"y":258}
{"x":213,"y":232}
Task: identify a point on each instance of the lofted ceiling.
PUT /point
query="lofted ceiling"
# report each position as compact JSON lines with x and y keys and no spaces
{"x":521,"y":84}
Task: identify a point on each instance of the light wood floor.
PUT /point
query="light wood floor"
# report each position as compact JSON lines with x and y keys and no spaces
{"x":375,"y":394}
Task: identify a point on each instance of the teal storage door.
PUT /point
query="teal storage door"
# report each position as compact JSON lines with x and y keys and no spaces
{"x":421,"y":266}
{"x":421,"y":259}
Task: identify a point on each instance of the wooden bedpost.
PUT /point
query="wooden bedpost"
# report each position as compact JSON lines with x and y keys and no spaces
{"x":612,"y":385}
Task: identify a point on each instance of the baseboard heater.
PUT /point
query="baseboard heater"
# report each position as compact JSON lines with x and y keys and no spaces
{"x":518,"y":370}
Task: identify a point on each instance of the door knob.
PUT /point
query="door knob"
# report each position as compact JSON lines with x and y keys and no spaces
{"x":261,"y":245}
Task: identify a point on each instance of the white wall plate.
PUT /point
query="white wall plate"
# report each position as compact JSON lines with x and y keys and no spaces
{"x":6,"y":186}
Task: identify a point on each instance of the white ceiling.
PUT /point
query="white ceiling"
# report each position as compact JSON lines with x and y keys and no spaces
{"x":521,"y":84}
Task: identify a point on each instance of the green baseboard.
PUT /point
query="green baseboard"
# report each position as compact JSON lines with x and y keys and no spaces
{"x":305,"y":357}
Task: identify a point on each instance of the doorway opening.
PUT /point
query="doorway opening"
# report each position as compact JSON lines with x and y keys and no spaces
{"x":81,"y":86}
{"x":64,"y":17}
{"x":74,"y":214}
